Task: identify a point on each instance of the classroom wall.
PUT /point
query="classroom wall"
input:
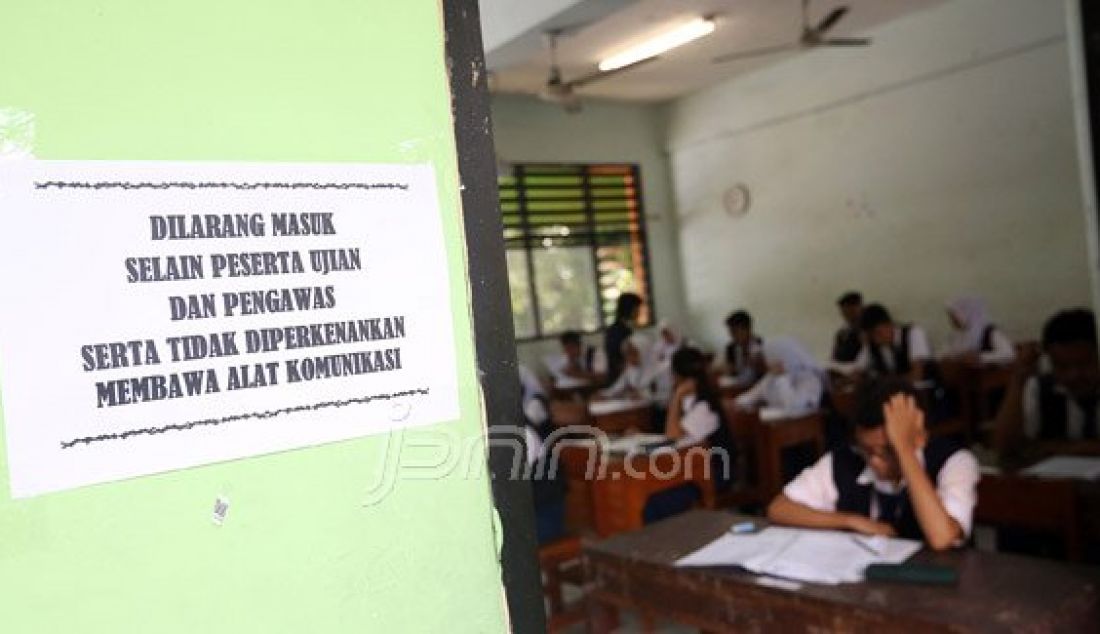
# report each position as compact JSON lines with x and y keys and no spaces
{"x":528,"y":130}
{"x":939,"y":161}
{"x":306,"y":546}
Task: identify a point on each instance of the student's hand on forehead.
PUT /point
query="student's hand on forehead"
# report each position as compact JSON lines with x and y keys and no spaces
{"x":904,"y":423}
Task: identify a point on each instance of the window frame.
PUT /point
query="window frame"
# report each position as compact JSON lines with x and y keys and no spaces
{"x":517,"y":171}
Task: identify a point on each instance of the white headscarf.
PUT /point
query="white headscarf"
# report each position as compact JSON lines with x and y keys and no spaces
{"x":972,"y":312}
{"x":792,"y":354}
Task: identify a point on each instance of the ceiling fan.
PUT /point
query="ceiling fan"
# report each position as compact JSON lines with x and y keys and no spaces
{"x":558,"y":91}
{"x":811,"y":37}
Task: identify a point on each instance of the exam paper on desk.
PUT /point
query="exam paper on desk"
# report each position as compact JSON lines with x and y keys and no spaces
{"x":813,"y":556}
{"x":1076,"y":467}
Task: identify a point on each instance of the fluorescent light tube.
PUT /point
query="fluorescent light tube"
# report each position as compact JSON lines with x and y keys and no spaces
{"x":656,"y":45}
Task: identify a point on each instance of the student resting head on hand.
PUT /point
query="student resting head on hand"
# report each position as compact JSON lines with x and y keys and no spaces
{"x":891,"y":480}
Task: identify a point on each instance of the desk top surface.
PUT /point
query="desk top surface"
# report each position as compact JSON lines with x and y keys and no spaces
{"x":995,"y":591}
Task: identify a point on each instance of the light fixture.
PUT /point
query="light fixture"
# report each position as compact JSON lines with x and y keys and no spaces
{"x":658,"y":44}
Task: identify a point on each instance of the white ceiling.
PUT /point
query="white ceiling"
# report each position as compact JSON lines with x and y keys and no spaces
{"x":520,"y":66}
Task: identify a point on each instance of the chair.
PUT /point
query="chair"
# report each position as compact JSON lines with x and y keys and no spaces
{"x":746,"y":481}
{"x":561,"y":565}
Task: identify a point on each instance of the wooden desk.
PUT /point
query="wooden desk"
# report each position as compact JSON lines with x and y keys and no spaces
{"x":771,"y":438}
{"x":618,"y":415}
{"x":995,"y":593}
{"x":607,"y":491}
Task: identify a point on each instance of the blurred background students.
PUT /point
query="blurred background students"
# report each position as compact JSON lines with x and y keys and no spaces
{"x":744,"y":359}
{"x":794,"y":382}
{"x":626,"y":315}
{"x":1055,"y":411}
{"x":977,"y":340}
{"x":848,"y":341}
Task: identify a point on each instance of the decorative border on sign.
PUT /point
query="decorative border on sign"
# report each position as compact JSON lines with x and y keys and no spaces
{"x":211,"y":422}
{"x":212,"y":185}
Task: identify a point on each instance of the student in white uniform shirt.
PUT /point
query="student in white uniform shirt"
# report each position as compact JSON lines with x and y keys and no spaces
{"x":547,"y":488}
{"x":636,"y":380}
{"x":899,"y":350}
{"x":659,"y":361}
{"x":577,"y":365}
{"x":694,"y":418}
{"x":891,"y":481}
{"x":794,"y":383}
{"x":977,"y":340}
{"x":744,"y":359}
{"x":1057,"y":411}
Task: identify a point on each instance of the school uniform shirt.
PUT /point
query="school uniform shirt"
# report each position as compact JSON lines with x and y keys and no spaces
{"x":919,"y":349}
{"x":956,"y":486}
{"x":999,"y":350}
{"x":794,"y":394}
{"x":1064,"y":419}
{"x":592,"y":360}
{"x":659,"y":366}
{"x":632,"y":378}
{"x":698,"y":421}
{"x":977,"y":332}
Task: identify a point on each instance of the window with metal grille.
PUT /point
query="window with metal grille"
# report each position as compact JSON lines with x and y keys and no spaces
{"x":576,"y":240}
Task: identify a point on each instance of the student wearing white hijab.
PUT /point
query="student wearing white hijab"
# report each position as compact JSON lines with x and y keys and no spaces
{"x":794,"y":382}
{"x":976,"y":339}
{"x":636,"y":379}
{"x":659,"y":360}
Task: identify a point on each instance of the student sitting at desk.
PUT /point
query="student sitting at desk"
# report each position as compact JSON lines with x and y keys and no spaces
{"x":694,"y":418}
{"x":794,"y":382}
{"x":848,"y":341}
{"x":977,"y":341}
{"x":744,"y":355}
{"x":891,"y":481}
{"x":577,"y":365}
{"x":892,"y":350}
{"x":1056,"y":412}
{"x":547,"y":489}
{"x":636,"y":380}
{"x":659,"y":361}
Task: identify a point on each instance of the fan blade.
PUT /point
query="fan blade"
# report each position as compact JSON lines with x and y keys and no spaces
{"x":600,"y":76}
{"x":756,"y":52}
{"x":830,"y":21}
{"x":845,"y":41}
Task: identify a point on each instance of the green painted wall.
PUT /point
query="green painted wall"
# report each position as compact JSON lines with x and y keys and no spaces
{"x":294,"y":80}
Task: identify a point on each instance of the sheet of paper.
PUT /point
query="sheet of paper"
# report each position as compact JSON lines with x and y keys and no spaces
{"x":809,"y":556}
{"x":160,"y":315}
{"x":738,"y":550}
{"x":635,"y":442}
{"x":1077,"y":467}
{"x":612,"y":406}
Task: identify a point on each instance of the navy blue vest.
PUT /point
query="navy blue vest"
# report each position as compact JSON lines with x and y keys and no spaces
{"x":732,"y":352}
{"x":902,"y":365}
{"x":847,"y":345}
{"x":856,"y":498}
{"x":1053,"y":411}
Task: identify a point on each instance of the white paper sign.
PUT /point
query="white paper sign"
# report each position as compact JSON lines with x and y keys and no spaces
{"x":158,"y":316}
